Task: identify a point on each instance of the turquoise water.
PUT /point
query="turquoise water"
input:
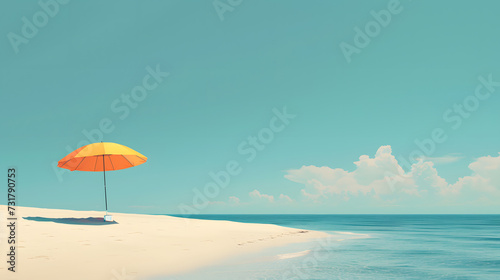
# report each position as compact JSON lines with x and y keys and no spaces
{"x":371,"y":247}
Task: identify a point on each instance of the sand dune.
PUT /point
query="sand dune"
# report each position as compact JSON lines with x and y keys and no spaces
{"x":64,"y":244}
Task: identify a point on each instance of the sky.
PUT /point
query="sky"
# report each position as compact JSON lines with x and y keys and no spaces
{"x":251,"y":107}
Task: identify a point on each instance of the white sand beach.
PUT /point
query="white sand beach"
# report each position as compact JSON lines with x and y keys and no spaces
{"x":65,"y":244}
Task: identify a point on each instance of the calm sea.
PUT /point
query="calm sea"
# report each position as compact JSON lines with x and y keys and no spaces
{"x":371,"y":247}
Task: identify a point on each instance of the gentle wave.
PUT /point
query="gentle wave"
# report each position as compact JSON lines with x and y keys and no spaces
{"x":293,"y":255}
{"x":351,"y":235}
{"x":341,"y":235}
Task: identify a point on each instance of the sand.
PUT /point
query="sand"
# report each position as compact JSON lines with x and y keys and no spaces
{"x":65,"y":244}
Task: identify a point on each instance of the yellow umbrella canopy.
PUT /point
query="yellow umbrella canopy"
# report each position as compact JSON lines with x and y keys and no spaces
{"x":102,"y":157}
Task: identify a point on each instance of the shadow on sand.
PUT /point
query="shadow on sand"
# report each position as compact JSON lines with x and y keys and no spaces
{"x":73,"y":221}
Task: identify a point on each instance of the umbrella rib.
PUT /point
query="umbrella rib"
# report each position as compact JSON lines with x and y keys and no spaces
{"x":140,"y":157}
{"x":95,"y":165}
{"x":65,"y":162}
{"x":111,"y":162}
{"x":80,"y":163}
{"x":127,"y":160}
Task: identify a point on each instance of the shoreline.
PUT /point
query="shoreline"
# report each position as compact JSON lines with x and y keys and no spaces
{"x":66,"y":244}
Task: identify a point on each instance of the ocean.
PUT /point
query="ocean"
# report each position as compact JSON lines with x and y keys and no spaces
{"x":370,"y":247}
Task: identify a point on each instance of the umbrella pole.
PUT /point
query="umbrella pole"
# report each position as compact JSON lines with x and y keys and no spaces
{"x":105,"y":194}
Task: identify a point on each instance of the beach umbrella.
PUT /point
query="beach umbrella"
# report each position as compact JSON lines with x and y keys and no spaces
{"x":103,"y":157}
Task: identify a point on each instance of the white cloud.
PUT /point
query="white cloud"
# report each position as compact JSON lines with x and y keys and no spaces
{"x":377,"y":176}
{"x":258,"y":196}
{"x":285,"y":198}
{"x":234,"y":200}
{"x":485,"y":177}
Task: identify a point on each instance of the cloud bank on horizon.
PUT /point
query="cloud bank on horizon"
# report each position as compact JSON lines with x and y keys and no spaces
{"x":382,"y":177}
{"x":382,"y":181}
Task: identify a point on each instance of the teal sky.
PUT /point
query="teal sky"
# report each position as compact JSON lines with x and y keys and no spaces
{"x":225,"y":79}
